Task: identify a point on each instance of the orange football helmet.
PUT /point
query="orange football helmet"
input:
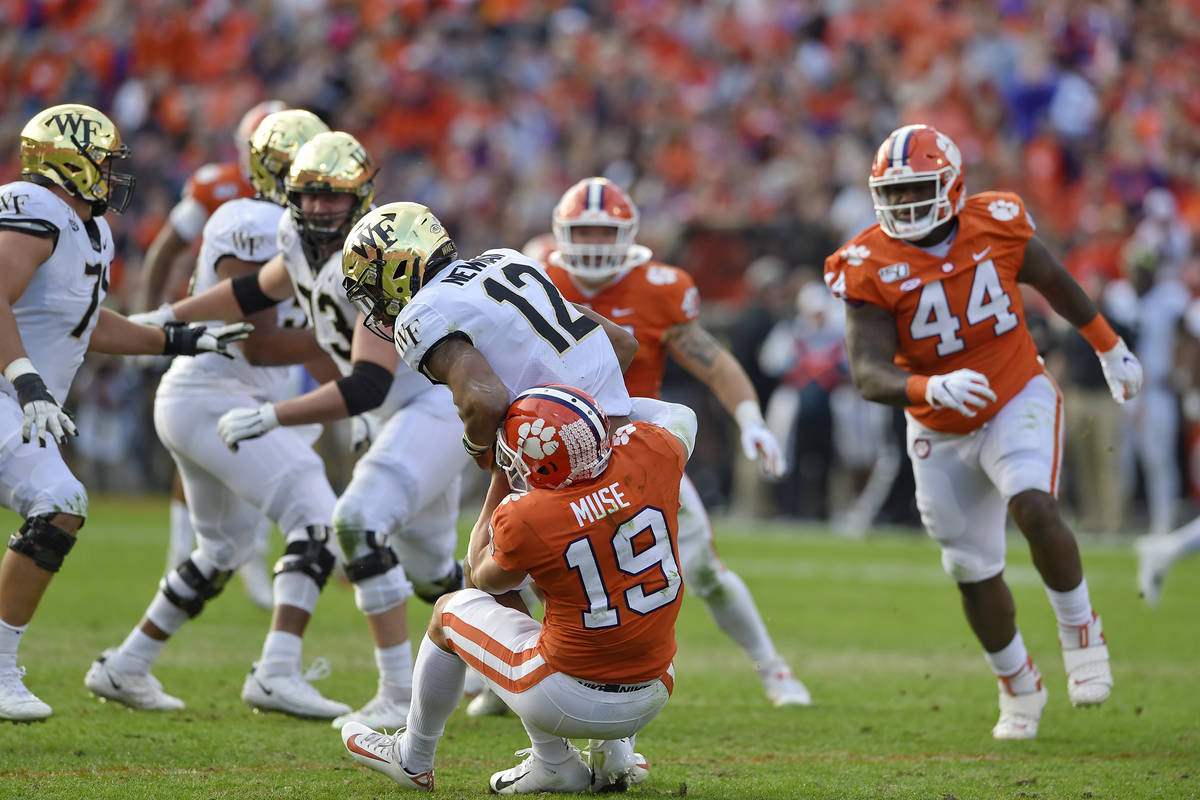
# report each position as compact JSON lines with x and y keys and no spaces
{"x":553,"y":436}
{"x":916,"y":181}
{"x":595,"y":202}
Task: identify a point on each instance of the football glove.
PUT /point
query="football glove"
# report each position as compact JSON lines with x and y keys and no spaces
{"x":362,"y":433}
{"x":186,"y":339}
{"x":239,"y":424}
{"x":758,"y":443}
{"x":959,"y":390}
{"x":1122,"y":371}
{"x":43,"y":416}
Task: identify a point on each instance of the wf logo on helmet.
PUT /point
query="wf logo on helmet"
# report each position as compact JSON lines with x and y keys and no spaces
{"x":80,"y":127}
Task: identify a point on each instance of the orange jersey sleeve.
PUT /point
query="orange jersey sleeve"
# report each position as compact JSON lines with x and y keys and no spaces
{"x":606,"y":556}
{"x":647,"y":301}
{"x":962,"y":310}
{"x":213,"y":184}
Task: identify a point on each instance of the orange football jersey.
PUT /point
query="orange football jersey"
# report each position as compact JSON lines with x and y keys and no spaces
{"x":213,"y":184}
{"x":646,"y":301}
{"x":605,"y":554}
{"x":960,"y":311}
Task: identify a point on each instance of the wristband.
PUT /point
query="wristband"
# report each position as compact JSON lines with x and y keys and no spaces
{"x":474,"y":450}
{"x":18,"y":367}
{"x":747,"y":413}
{"x":915,"y":389}
{"x":1099,"y":334}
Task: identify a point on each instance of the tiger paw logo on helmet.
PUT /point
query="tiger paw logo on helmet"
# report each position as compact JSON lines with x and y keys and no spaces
{"x":537,"y":438}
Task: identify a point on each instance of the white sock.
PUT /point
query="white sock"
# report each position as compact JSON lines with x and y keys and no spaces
{"x":182,"y":537}
{"x":281,"y":654}
{"x":732,"y":607}
{"x":1072,"y":608}
{"x":437,"y":685}
{"x":296,"y":589}
{"x":137,"y":653}
{"x":1013,"y":663}
{"x":167,"y":616}
{"x":10,"y":640}
{"x":395,"y":670}
{"x":548,"y":747}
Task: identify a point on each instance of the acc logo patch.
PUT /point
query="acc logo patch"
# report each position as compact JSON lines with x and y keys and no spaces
{"x":921,"y":448}
{"x":1003,"y":210}
{"x":910,"y":284}
{"x":893,"y":272}
{"x":855,"y":254}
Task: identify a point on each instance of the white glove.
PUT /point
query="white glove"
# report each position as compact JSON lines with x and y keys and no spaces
{"x":958,"y":390}
{"x":238,"y":424}
{"x":362,"y":433}
{"x":158,"y":317}
{"x":43,"y":416}
{"x":1122,"y":371}
{"x":758,"y":443}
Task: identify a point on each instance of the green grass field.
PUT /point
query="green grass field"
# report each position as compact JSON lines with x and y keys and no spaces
{"x":904,"y":703}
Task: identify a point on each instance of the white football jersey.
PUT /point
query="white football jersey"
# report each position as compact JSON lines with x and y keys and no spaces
{"x":332,"y":316}
{"x":510,"y":310}
{"x":58,"y":310}
{"x":244,"y":229}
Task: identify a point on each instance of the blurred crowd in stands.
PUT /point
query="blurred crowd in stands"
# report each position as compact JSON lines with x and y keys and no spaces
{"x":744,"y":130}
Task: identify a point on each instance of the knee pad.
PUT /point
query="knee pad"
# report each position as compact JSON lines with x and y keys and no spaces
{"x":43,"y":541}
{"x":378,"y":593}
{"x":430,"y":591}
{"x":188,"y":588}
{"x":367,"y":553}
{"x":308,"y":551}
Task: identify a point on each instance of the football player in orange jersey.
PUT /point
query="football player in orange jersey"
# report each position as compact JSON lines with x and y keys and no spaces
{"x":593,"y":525}
{"x":208,"y":187}
{"x":935,"y":322}
{"x":597,"y":263}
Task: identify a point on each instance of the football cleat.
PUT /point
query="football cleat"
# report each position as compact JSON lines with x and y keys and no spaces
{"x":1155,"y":555}
{"x":17,"y":703}
{"x":380,"y":712}
{"x":381,"y":753}
{"x":1085,"y":657}
{"x":486,"y":704}
{"x":292,"y":694}
{"x":139,"y":690}
{"x":615,"y":767}
{"x":534,"y":775}
{"x":782,"y":687}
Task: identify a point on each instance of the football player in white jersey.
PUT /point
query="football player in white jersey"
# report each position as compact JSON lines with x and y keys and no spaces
{"x":396,"y":521}
{"x":55,"y":251}
{"x":228,"y":493}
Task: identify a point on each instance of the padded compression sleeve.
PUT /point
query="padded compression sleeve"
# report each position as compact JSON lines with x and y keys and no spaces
{"x":366,"y":387}
{"x":249,"y":294}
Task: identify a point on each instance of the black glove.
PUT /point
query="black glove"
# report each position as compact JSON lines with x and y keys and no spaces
{"x":186,"y":339}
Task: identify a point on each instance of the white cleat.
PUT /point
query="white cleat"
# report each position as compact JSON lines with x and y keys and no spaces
{"x":1085,"y":657}
{"x":782,"y":687}
{"x":486,"y":704}
{"x":534,"y":775}
{"x":257,"y":583}
{"x":17,"y":703}
{"x":380,"y":712}
{"x":292,"y":694}
{"x":381,"y":753}
{"x":1019,"y":714}
{"x":615,"y":767}
{"x":1155,"y":556}
{"x":139,"y":690}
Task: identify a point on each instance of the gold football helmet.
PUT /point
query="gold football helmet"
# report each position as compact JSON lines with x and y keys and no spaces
{"x":386,"y":257}
{"x":274,"y":144}
{"x":329,"y":164}
{"x":74,"y":146}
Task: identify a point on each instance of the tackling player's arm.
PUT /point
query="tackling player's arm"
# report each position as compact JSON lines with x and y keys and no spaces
{"x":269,"y":345}
{"x":479,"y":394}
{"x":485,"y":573}
{"x":623,"y":342}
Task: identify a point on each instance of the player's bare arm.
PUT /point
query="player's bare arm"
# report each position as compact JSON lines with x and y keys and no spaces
{"x":223,"y":302}
{"x":1041,"y":270}
{"x":269,"y":345}
{"x":698,"y":352}
{"x":20,"y":255}
{"x":623,"y":342}
{"x":117,"y":335}
{"x":162,"y":259}
{"x":871,"y":347}
{"x":480,"y":396}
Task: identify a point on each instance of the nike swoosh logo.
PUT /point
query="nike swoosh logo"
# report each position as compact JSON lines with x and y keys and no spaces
{"x":502,"y":784}
{"x":981,"y":253}
{"x":1086,"y":680}
{"x":260,"y":685}
{"x":115,"y":685}
{"x":622,"y":312}
{"x":352,"y":746}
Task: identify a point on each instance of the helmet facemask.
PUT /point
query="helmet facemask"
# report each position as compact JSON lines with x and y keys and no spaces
{"x":916,"y":218}
{"x":117,"y":189}
{"x":593,"y":259}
